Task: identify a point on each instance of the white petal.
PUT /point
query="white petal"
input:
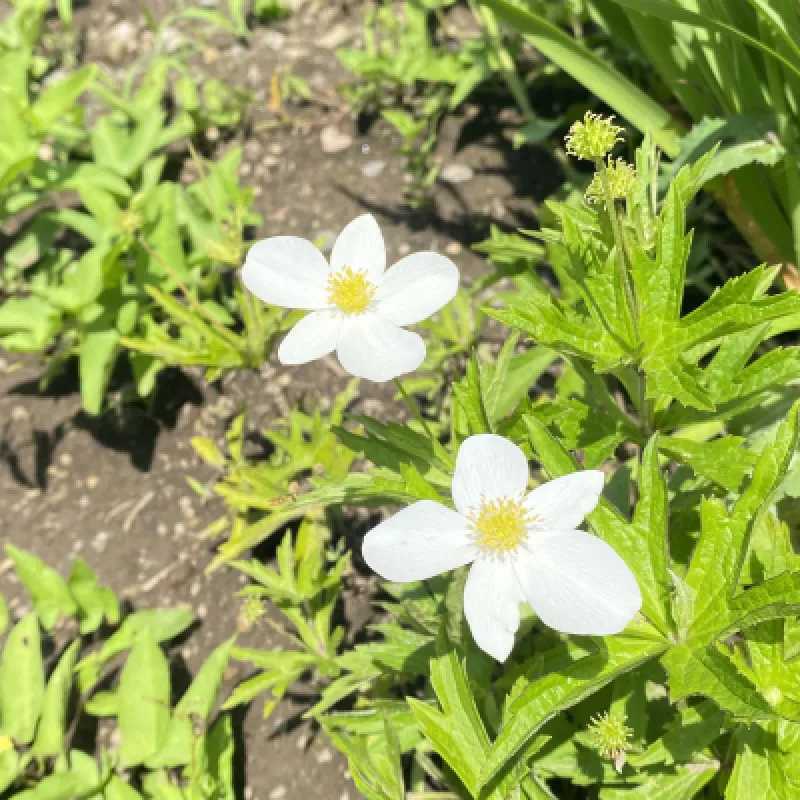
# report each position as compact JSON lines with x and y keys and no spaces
{"x":360,"y":246}
{"x":419,"y":542}
{"x":416,"y":287}
{"x":488,"y":466}
{"x":374,"y":349}
{"x":316,"y":335}
{"x":491,"y":605}
{"x":287,"y":271}
{"x":561,"y":504}
{"x":576,"y":583}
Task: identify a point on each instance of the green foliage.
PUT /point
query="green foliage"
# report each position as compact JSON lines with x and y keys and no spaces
{"x":668,"y":395}
{"x":746,"y":67}
{"x":120,"y":674}
{"x":137,"y":266}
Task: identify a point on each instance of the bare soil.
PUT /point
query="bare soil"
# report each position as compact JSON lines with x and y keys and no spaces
{"x":113,"y":489}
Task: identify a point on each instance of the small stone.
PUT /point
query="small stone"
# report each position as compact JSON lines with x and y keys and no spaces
{"x":275,"y":40}
{"x":20,"y":414}
{"x":325,"y":756}
{"x":162,"y":529}
{"x":65,"y":459}
{"x":373,"y":169}
{"x":457,"y":173}
{"x":179,"y":529}
{"x":453,"y":249}
{"x":92,"y":481}
{"x":212,"y":134}
{"x":121,"y":38}
{"x":254,"y":77}
{"x":302,"y":741}
{"x":202,"y":611}
{"x":278,"y":793}
{"x":404,"y":249}
{"x":100,"y":541}
{"x":196,"y":588}
{"x":276,"y":149}
{"x":46,"y":152}
{"x":252,"y":149}
{"x":335,"y":37}
{"x":333,"y":140}
{"x":248,"y":792}
{"x":344,"y":796}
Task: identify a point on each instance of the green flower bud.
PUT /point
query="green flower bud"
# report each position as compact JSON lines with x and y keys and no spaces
{"x":593,"y":137}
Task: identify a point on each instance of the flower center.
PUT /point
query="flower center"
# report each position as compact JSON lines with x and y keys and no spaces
{"x":350,"y":290}
{"x":500,"y":525}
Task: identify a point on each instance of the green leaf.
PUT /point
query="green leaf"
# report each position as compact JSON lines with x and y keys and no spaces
{"x":705,"y":671}
{"x":10,"y":765}
{"x":723,"y":460}
{"x":95,"y":603}
{"x":685,"y":783}
{"x":717,"y":561}
{"x":144,"y":702}
{"x":745,"y":139}
{"x":760,"y":769}
{"x":22,"y":681}
{"x":49,"y":592}
{"x":456,"y":732}
{"x":776,"y":598}
{"x":160,"y":623}
{"x":60,"y":98}
{"x":117,"y":789}
{"x":219,"y":752}
{"x":597,"y":75}
{"x":643,"y":548}
{"x":5,"y":619}
{"x":544,"y":698}
{"x":52,"y":727}
{"x":193,"y":712}
{"x":97,"y":356}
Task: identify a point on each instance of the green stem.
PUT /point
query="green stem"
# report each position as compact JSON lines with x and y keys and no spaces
{"x":409,"y":400}
{"x":622,"y":251}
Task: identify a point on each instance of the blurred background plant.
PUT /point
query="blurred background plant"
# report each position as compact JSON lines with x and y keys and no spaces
{"x":106,"y":255}
{"x":78,"y":663}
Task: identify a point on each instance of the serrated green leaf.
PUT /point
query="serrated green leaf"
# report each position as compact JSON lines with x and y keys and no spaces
{"x":553,"y":693}
{"x":706,"y":672}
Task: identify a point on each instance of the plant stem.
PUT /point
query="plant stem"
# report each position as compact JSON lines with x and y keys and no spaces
{"x":409,"y":401}
{"x":622,"y":260}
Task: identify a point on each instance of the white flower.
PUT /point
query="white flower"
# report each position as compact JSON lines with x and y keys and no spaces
{"x":522,"y":545}
{"x":357,"y":306}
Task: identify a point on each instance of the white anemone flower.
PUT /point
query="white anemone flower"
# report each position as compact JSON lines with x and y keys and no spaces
{"x":358,"y":307}
{"x":522,"y":546}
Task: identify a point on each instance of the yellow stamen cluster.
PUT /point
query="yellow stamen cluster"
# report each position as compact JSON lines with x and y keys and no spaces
{"x":499,"y":526}
{"x":592,"y":137}
{"x":621,"y":178}
{"x":611,"y":737}
{"x":350,"y":290}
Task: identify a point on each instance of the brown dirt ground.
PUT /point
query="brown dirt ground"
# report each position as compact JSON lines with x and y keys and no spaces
{"x":113,"y":489}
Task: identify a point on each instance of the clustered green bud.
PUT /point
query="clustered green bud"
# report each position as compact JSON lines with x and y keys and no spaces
{"x":611,"y":737}
{"x":621,"y":178}
{"x":252,"y":611}
{"x":593,"y":137}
